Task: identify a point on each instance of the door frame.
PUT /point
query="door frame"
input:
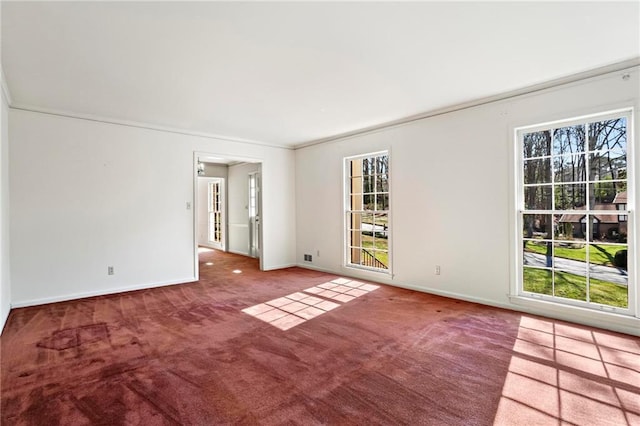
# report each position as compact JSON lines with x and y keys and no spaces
{"x":196,"y":202}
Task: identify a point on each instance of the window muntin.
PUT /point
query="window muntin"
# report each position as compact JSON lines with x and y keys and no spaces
{"x":367,"y":211}
{"x":573,"y":216}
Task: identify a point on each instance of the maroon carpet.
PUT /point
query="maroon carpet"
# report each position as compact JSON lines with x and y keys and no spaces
{"x":188,"y":354}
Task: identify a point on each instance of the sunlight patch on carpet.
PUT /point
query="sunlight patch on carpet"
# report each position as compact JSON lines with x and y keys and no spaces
{"x":554,"y":377}
{"x":296,"y":308}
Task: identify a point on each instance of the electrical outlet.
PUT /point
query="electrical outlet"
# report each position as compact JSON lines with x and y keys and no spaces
{"x":109,"y":270}
{"x":437,"y":270}
{"x":308,"y":258}
{"x":188,"y":205}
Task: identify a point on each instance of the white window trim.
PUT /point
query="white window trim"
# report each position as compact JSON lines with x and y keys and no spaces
{"x":560,"y":305}
{"x":346,"y":208}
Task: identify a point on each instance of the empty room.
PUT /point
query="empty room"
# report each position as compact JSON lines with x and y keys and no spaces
{"x":319,"y":213}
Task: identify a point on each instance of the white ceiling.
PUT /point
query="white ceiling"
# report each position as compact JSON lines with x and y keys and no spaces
{"x":289,"y":73}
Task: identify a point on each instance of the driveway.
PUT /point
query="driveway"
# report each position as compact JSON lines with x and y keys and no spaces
{"x":601,"y":272}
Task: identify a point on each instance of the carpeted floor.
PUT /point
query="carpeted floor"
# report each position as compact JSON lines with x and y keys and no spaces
{"x":293,"y":347}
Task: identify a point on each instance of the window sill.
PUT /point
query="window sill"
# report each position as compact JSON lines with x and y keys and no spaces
{"x":368,"y":270}
{"x":622,"y":323}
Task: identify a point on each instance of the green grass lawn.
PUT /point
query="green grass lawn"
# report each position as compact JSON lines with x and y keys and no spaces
{"x":573,"y":286}
{"x":601,"y":254}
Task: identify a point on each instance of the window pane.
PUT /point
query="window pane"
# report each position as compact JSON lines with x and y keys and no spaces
{"x":569,"y":168}
{"x":383,"y":259}
{"x":608,"y":274}
{"x":537,"y":226}
{"x":382,"y":184}
{"x":604,"y":193}
{"x":382,"y":164}
{"x":570,"y":227}
{"x":607,"y":165}
{"x":369,"y":201}
{"x":537,"y":197}
{"x":368,"y":184}
{"x":382,"y":202}
{"x":355,"y":255}
{"x":367,"y":224}
{"x":568,"y":140}
{"x":356,"y":185}
{"x":355,"y":167}
{"x":355,"y":238}
{"x":537,"y":144}
{"x":367,"y":240}
{"x":356,"y":202}
{"x":591,"y":227}
{"x":570,"y":286}
{"x":571,"y":270}
{"x":538,"y":253}
{"x":608,"y":135}
{"x":381,"y":228}
{"x":368,"y":166}
{"x":356,"y":220}
{"x":571,"y":196}
{"x":367,"y":218}
{"x":537,"y":280}
{"x":613,"y":257}
{"x":537,"y":171}
{"x":572,"y":255}
{"x":381,"y":243}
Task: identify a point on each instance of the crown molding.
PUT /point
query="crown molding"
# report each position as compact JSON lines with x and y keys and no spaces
{"x":141,"y":125}
{"x":574,"y":78}
{"x":5,"y":88}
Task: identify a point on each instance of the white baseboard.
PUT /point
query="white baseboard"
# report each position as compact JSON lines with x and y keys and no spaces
{"x":3,"y":320}
{"x":75,"y":296}
{"x":285,"y":265}
{"x":354,"y":273}
{"x":238,"y":252}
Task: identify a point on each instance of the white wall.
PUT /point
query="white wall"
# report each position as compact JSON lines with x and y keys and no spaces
{"x":5,"y":261}
{"x":5,"y":283}
{"x":202,"y":213}
{"x":87,"y":195}
{"x":452,"y":194}
{"x":216,"y":170}
{"x":238,"y":206}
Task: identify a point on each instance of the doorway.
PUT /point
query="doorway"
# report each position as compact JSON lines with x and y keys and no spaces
{"x":227,"y":204}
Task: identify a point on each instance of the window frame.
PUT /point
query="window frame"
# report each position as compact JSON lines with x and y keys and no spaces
{"x":347,"y":211}
{"x":628,"y":210}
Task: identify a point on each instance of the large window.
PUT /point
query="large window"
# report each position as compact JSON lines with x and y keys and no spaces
{"x":573,"y":198}
{"x":367,"y":211}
